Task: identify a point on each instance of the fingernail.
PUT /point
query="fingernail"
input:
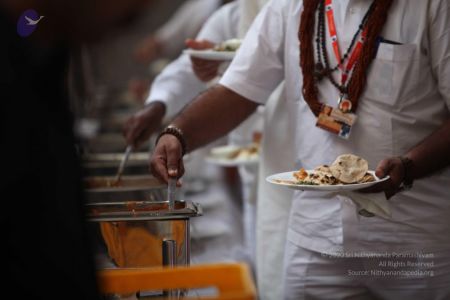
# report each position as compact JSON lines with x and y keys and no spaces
{"x":172,"y":172}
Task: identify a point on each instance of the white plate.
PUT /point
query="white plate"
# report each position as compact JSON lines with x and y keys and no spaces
{"x":326,"y":188}
{"x":225,"y":162}
{"x":219,"y":156}
{"x":211,"y":54}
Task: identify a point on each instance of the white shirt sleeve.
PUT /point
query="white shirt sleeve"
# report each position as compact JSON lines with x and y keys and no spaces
{"x":185,"y":23}
{"x":440,"y":46}
{"x":258,"y":67}
{"x":177,"y":85}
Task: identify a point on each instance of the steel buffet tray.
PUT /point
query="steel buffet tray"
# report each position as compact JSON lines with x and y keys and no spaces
{"x":141,"y":210}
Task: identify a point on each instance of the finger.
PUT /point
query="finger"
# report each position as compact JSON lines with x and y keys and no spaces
{"x":199,"y":44}
{"x":210,"y":75}
{"x":173,"y":151}
{"x":128,"y":131}
{"x":204,"y":77}
{"x":158,"y":168}
{"x":206,"y":74}
{"x":387,"y":185}
{"x":378,"y":188}
{"x":383,"y":168}
{"x":214,"y":67}
{"x":134,"y":133}
{"x":199,"y":62}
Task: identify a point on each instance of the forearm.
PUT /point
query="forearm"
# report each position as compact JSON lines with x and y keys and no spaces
{"x":432,"y":154}
{"x":212,"y":115}
{"x":176,"y":86}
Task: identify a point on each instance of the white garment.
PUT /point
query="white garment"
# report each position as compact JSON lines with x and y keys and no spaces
{"x":185,"y":23}
{"x":249,"y":10}
{"x":407,"y":97}
{"x":274,"y":202}
{"x":311,"y":275}
{"x":271,"y":216}
{"x":177,"y":85}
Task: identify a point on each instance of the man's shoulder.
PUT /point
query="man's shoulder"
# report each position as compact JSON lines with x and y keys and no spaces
{"x":285,"y":7}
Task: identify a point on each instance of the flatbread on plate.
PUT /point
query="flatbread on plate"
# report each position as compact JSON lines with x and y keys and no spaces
{"x":349,"y":168}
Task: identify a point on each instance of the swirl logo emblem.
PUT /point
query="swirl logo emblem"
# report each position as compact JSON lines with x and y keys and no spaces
{"x":27,"y":22}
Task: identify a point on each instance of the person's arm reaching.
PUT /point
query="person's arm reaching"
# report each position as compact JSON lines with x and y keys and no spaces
{"x":178,"y":84}
{"x":210,"y":116}
{"x":145,"y":122}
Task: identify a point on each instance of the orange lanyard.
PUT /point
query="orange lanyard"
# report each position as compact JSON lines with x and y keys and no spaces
{"x":335,"y":44}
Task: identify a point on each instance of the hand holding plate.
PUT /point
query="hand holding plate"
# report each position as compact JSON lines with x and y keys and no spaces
{"x":392,"y":167}
{"x":204,"y":69}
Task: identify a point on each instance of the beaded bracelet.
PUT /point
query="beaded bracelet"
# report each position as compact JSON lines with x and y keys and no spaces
{"x":176,"y":132}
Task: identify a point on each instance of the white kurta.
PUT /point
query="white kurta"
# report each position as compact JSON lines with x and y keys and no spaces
{"x":177,"y":85}
{"x":407,"y":97}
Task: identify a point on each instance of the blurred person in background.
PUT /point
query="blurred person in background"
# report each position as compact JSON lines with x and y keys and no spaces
{"x":45,"y":244}
{"x":168,"y":40}
{"x":184,"y":79}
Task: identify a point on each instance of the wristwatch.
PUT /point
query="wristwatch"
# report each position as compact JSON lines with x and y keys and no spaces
{"x":408,"y":165}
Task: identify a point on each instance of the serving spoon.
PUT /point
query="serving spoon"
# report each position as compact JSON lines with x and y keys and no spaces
{"x":123,"y":162}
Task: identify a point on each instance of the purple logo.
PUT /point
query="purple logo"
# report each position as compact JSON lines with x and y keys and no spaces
{"x":27,"y":23}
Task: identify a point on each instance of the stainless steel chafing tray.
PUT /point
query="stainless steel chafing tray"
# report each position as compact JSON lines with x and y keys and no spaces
{"x":106,"y":164}
{"x":141,"y":210}
{"x":138,"y":234}
{"x":100,"y":189}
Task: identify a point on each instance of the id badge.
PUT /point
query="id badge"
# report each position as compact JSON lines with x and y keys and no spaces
{"x":335,"y":121}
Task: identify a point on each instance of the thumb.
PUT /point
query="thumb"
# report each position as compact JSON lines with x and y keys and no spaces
{"x":173,"y":159}
{"x":383,"y":169}
{"x":199,"y":44}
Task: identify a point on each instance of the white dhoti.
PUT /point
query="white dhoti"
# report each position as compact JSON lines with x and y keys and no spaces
{"x":312,"y":275}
